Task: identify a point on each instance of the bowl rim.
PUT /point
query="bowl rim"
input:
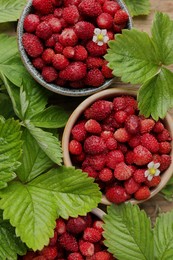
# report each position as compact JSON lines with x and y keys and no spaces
{"x":112,"y":92}
{"x":36,"y":74}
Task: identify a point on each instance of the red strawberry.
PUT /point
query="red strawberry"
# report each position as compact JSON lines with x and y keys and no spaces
{"x":68,"y":242}
{"x":131,"y":186}
{"x":92,"y":126}
{"x":55,"y":24}
{"x":135,"y":141}
{"x":120,"y":116}
{"x":71,"y":14}
{"x":111,"y":143}
{"x":119,"y":103}
{"x":98,"y":224}
{"x":49,"y":252}
{"x":106,"y":135}
{"x":75,"y":147}
{"x":90,"y":171}
{"x":57,"y":2}
{"x":58,"y":47}
{"x":129,"y":157}
{"x":94,"y":78}
{"x":80,"y":158}
{"x":94,"y":145}
{"x":102,"y":255}
{"x":146,"y":125}
{"x":74,"y":71}
{"x":60,"y":82}
{"x":71,"y":2}
{"x":121,"y":135}
{"x":75,"y":256}
{"x":95,"y":50}
{"x":40,"y":257}
{"x":60,"y":226}
{"x":122,"y":147}
{"x":79,"y":132}
{"x":150,"y":142}
{"x":31,"y":22}
{"x":32,"y":45}
{"x":84,"y":30}
{"x":53,"y":240}
{"x":77,"y":83}
{"x":154,"y":182}
{"x":142,"y":155}
{"x":156,"y":158}
{"x":111,"y":7}
{"x":106,"y":71}
{"x":68,"y":37}
{"x":92,"y":235}
{"x":139,"y":175}
{"x":43,"y":7}
{"x":58,"y":12}
{"x":132,"y":124}
{"x":113,"y":158}
{"x":29,"y":255}
{"x":44,"y":30}
{"x":164,"y":136}
{"x":105,"y":175}
{"x":105,"y":21}
{"x":99,"y":110}
{"x":122,"y":171}
{"x":90,"y":8}
{"x":80,"y":53}
{"x":97,"y":162}
{"x":38,"y":63}
{"x":49,"y":74}
{"x":59,"y":61}
{"x":86,"y":248}
{"x":158,"y":127}
{"x":76,"y":225}
{"x":142,"y":193}
{"x":121,"y":17}
{"x":48,"y":55}
{"x":118,"y":27}
{"x":164,"y":147}
{"x":94,"y":62}
{"x":117,"y":194}
{"x":165,"y":162}
{"x":68,"y":52}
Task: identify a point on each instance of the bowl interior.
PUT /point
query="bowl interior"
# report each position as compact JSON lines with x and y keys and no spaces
{"x":37,"y":76}
{"x":110,"y":93}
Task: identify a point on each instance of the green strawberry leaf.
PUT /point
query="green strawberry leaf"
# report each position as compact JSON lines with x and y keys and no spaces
{"x":6,"y":106}
{"x":33,"y":160}
{"x":33,"y":207}
{"x":136,"y":7}
{"x":167,"y":191}
{"x":51,"y":117}
{"x":155,"y":96}
{"x":163,"y":237}
{"x":11,"y":10}
{"x":47,"y":142}
{"x":132,"y":56}
{"x":10,"y":149}
{"x":10,"y":245}
{"x":127,"y":232}
{"x":162,"y":35}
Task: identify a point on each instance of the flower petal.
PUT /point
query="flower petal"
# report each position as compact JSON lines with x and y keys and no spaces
{"x":150,"y":177}
{"x":146,"y":173}
{"x":97,"y":31}
{"x":105,"y":39}
{"x":104,"y":32}
{"x":99,"y":43}
{"x":157,"y":173}
{"x":156,"y":165}
{"x":94,"y":38}
{"x":151,"y":165}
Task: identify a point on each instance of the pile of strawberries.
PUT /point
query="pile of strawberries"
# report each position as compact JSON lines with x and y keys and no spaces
{"x":75,"y":239}
{"x":115,"y":145}
{"x":58,"y":38}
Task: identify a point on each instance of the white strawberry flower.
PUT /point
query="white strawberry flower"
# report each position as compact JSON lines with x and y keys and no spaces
{"x":152,"y":170}
{"x":100,"y":36}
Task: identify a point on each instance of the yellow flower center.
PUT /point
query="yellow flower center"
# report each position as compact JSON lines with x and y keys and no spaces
{"x":100,"y":37}
{"x":152,"y":171}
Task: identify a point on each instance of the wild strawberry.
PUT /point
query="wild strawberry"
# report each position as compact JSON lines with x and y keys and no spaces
{"x":49,"y":74}
{"x":139,"y":175}
{"x":150,"y":142}
{"x":84,"y":30}
{"x":106,"y":71}
{"x":111,"y":143}
{"x":58,"y":47}
{"x":40,"y":257}
{"x":142,"y":155}
{"x":92,"y":126}
{"x":68,"y":52}
{"x":94,"y":78}
{"x":158,"y":127}
{"x":45,"y":7}
{"x":71,"y":14}
{"x":119,"y":103}
{"x":121,"y":135}
{"x":76,"y":225}
{"x":71,"y":2}
{"x":117,"y":194}
{"x":94,"y":62}
{"x":64,"y":24}
{"x":156,"y":158}
{"x":120,"y":116}
{"x":129,"y":157}
{"x":98,"y":224}
{"x":77,"y":83}
{"x":99,"y":110}
{"x":111,"y":7}
{"x":132,"y":124}
{"x":32,"y":45}
{"x":59,"y":61}
{"x":68,"y":242}
{"x":90,"y":171}
{"x":146,"y":125}
{"x":131,"y":186}
{"x":44,"y":30}
{"x":49,"y":252}
{"x":60,"y":226}
{"x":68,"y":37}
{"x":118,"y":27}
{"x":164,"y":136}
{"x":57,"y":2}
{"x":55,"y":24}
{"x":165,"y":162}
{"x":48,"y":55}
{"x":90,"y":8}
{"x":46,"y":17}
{"x":97,"y":162}
{"x":121,"y":16}
{"x":92,"y":235}
{"x":95,"y":50}
{"x":38,"y":63}
{"x":142,"y":193}
{"x":106,"y":135}
{"x":53,"y":240}
{"x":94,"y":145}
{"x":75,"y":256}
{"x":75,"y":147}
{"x":105,"y":174}
{"x":79,"y":132}
{"x":74,"y":71}
{"x":105,"y":21}
{"x":31,"y":22}
{"x":86,"y":248}
{"x":129,"y":110}
{"x":164,"y":147}
{"x":50,"y":42}
{"x":154,"y":182}
{"x":80,"y":158}
{"x":60,"y":82}
{"x":102,"y":255}
{"x":58,"y":12}
{"x":80,"y":53}
{"x":122,"y":147}
{"x":113,"y":158}
{"x":29,"y":255}
{"x":110,"y":35}
{"x":135,"y":141}
{"x":122,"y":171}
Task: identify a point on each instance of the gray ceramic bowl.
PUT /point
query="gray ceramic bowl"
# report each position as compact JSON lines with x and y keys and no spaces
{"x":37,"y":76}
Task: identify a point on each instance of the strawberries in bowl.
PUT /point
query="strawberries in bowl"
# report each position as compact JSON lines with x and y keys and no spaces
{"x":63,"y":43}
{"x":128,"y":155}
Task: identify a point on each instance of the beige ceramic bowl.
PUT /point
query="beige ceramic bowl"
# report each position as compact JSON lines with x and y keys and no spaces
{"x":110,"y":93}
